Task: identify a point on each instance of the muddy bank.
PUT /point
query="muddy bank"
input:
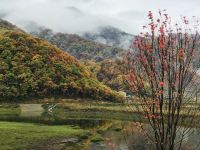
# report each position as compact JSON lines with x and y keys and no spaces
{"x":56,"y":143}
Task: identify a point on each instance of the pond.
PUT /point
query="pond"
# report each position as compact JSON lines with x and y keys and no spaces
{"x":109,"y":131}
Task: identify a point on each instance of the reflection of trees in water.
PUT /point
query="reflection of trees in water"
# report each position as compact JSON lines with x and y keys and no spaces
{"x":136,"y":139}
{"x":83,"y":123}
{"x":191,"y":139}
{"x":124,"y":136}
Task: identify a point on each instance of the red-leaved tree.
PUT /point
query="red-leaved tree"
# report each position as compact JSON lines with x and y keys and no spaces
{"x":162,"y":72}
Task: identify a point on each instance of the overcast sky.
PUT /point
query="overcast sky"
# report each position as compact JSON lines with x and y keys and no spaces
{"x":75,"y":16}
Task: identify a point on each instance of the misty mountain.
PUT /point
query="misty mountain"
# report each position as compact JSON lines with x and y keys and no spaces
{"x":7,"y":25}
{"x":110,"y":36}
{"x":79,"y":47}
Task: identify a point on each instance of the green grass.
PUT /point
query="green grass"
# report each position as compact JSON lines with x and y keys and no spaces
{"x":86,"y":105}
{"x":17,"y":136}
{"x":103,"y":106}
{"x":9,"y":109}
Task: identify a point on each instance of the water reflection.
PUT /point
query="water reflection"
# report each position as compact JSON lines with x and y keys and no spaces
{"x":117,"y":135}
{"x":130,"y":137}
{"x":31,"y":110}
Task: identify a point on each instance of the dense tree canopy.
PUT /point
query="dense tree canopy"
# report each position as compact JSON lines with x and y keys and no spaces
{"x":79,"y":47}
{"x":33,"y":67}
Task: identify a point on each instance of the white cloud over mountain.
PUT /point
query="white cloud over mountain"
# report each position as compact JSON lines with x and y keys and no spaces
{"x":75,"y":16}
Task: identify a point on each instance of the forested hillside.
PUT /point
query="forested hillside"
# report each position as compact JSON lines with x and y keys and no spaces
{"x":33,"y":67}
{"x":103,"y":61}
{"x":79,"y":47}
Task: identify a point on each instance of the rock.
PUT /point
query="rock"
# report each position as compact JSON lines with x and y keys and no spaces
{"x":70,"y":140}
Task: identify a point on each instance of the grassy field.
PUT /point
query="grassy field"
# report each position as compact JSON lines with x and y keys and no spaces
{"x":9,"y":109}
{"x":117,"y":107}
{"x":23,"y":132}
{"x":17,"y":136}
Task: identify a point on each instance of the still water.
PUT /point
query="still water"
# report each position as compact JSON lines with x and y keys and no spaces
{"x":112,"y":132}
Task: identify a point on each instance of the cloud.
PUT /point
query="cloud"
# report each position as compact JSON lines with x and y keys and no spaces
{"x":76,"y":16}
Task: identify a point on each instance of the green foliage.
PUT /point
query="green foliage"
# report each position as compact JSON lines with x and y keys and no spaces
{"x":33,"y":67}
{"x":110,"y":73}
